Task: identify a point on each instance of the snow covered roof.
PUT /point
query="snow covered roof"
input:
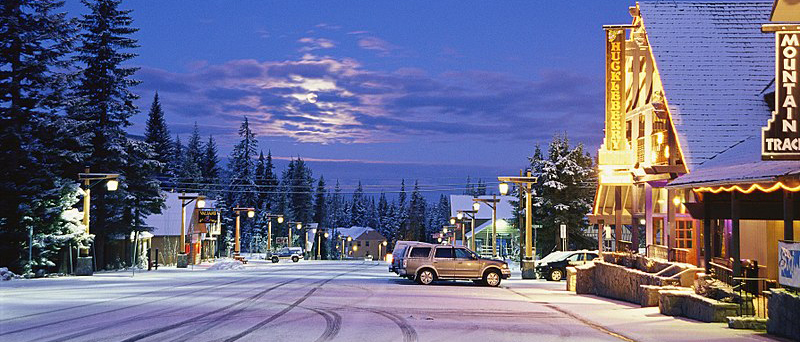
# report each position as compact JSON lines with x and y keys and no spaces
{"x":501,"y":224}
{"x":464,"y":202}
{"x":740,"y":164}
{"x":714,"y":63}
{"x":168,"y":223}
{"x":355,"y":232}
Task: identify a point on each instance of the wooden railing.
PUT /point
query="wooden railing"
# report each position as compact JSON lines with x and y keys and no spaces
{"x":680,"y":255}
{"x":721,"y":272}
{"x":657,"y":252}
{"x":625,"y":246}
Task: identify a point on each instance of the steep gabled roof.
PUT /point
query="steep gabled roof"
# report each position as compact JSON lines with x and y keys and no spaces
{"x":714,"y":64}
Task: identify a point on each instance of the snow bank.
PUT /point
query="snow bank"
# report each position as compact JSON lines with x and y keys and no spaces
{"x":5,"y":274}
{"x":227,"y":264}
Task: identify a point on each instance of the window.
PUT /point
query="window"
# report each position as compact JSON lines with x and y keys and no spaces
{"x":684,"y":231}
{"x":591,"y":256}
{"x":358,"y":243}
{"x":444,"y":252}
{"x":463,"y":254}
{"x":420,"y":252}
{"x":366,"y":243}
{"x":574,"y":257}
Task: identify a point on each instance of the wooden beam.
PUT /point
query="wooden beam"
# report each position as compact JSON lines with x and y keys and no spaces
{"x":707,"y":239}
{"x":735,"y":235}
{"x":617,"y":216}
{"x":788,"y":215}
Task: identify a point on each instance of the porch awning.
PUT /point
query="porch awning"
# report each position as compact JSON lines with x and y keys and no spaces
{"x":605,"y":205}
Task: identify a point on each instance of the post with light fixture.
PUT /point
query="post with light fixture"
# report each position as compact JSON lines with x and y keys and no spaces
{"x":299,"y":226}
{"x":471,"y":215}
{"x":319,"y":244}
{"x":85,"y":263}
{"x":492,"y":203}
{"x":251,"y":212}
{"x":528,"y":266}
{"x":269,"y":218}
{"x":380,"y":255}
{"x":183,"y":258}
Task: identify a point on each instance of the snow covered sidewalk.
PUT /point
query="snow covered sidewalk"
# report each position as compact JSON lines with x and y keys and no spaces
{"x":627,"y":321}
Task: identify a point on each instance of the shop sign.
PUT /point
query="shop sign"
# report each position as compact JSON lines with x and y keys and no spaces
{"x":789,"y":263}
{"x":615,"y":89}
{"x":282,"y":240}
{"x":207,"y":216}
{"x":781,"y":138}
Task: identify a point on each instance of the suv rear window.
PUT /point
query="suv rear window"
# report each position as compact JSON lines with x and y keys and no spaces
{"x":420,"y":252}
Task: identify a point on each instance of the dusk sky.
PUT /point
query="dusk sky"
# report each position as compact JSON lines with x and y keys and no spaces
{"x":404,"y":89}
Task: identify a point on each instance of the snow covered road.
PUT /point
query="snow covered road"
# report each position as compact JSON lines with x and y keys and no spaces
{"x":307,"y":301}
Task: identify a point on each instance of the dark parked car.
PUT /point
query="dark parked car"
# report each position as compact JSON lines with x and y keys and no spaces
{"x":554,"y":265}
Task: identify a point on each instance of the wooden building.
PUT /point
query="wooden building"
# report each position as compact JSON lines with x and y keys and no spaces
{"x":689,"y":90}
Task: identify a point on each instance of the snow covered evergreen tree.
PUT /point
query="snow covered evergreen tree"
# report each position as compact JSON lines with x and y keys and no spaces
{"x":190,"y":174}
{"x":209,"y":164}
{"x":241,"y":167}
{"x":416,"y":217}
{"x":157,"y":135}
{"x":34,"y":41}
{"x":301,"y":192}
{"x":175,"y":165}
{"x":358,"y":210}
{"x":401,"y":212}
{"x":563,"y":196}
{"x":102,"y":105}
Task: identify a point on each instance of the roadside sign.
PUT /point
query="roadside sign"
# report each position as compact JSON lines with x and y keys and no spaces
{"x":282,"y":240}
{"x":789,"y":263}
{"x":537,"y":226}
{"x":207,"y":216}
{"x":563,"y":231}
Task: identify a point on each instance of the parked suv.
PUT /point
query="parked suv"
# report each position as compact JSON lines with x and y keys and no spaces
{"x":425,"y":263}
{"x":554,"y":265}
{"x":396,"y":258}
{"x":293,"y":253}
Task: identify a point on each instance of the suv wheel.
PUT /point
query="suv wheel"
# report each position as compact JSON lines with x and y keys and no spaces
{"x":492,"y":278}
{"x":275,"y":260}
{"x":295,"y":259}
{"x":425,"y":277}
{"x":556,"y":274}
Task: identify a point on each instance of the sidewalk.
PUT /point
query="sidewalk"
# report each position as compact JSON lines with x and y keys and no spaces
{"x":624,"y":320}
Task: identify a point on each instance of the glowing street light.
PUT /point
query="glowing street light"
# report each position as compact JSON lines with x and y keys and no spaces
{"x":528,"y":271}
{"x":471,"y":215}
{"x":251,"y":212}
{"x":492,"y":203}
{"x":269,"y":218}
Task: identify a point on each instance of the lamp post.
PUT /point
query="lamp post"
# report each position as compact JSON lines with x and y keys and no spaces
{"x":299,"y":226}
{"x":384,"y":243}
{"x":471,"y":215}
{"x":528,"y":270}
{"x":251,"y":212}
{"x":341,"y":257}
{"x":85,"y":264}
{"x":319,"y":244}
{"x":269,"y":218}
{"x":492,"y":203}
{"x":183,"y":260}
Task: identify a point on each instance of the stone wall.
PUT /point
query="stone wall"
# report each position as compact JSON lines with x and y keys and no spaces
{"x":784,"y":314}
{"x":688,"y":304}
{"x":620,"y":282}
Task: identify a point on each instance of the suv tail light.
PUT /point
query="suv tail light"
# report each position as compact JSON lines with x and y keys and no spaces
{"x":389,"y":258}
{"x":405,"y":263}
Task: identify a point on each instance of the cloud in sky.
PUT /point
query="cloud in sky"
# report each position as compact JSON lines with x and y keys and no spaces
{"x":311,"y":44}
{"x":357,"y":105}
{"x":382,"y":47}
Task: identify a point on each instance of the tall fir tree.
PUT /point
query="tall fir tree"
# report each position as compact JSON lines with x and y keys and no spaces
{"x":102,"y":106}
{"x":191,"y":175}
{"x":261,"y":182}
{"x":241,"y":167}
{"x":320,"y":210}
{"x":271,"y":182}
{"x":300,"y":192}
{"x":175,"y":165}
{"x":34,"y":41}
{"x":157,"y":135}
{"x":401,"y":212}
{"x":358,"y":210}
{"x":209,"y":165}
{"x":416,"y":217}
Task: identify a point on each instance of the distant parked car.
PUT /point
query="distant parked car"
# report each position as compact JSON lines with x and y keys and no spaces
{"x":554,"y":266}
{"x":293,"y":253}
{"x":425,"y":263}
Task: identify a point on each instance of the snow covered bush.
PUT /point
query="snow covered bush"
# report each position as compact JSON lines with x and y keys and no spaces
{"x":5,"y":274}
{"x":227,"y":264}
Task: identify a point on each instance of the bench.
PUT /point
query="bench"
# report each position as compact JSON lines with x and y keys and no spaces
{"x":240,"y":259}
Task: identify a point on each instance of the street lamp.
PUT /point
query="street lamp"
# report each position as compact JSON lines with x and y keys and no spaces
{"x":384,"y":243}
{"x":299,"y":227}
{"x":186,"y":200}
{"x":528,"y":271}
{"x":349,"y":239}
{"x":492,"y":203}
{"x":111,"y":185}
{"x":269,"y":218}
{"x":471,"y":215}
{"x":251,"y":212}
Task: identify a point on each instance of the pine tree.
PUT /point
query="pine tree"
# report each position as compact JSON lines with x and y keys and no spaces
{"x":383,"y":216}
{"x":416,"y":218}
{"x":176,"y":163}
{"x":157,"y":135}
{"x":271,"y":182}
{"x":209,"y":165}
{"x":190,"y":173}
{"x":301,"y":199}
{"x":563,"y":197}
{"x":35,"y":40}
{"x":320,"y":203}
{"x":142,"y":188}
{"x":103,"y":105}
{"x":241,"y":167}
{"x":373,"y":220}
{"x":261,"y":182}
{"x":401,"y":212}
{"x":358,"y":211}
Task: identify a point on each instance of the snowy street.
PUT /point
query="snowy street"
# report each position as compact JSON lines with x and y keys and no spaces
{"x":322,"y":301}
